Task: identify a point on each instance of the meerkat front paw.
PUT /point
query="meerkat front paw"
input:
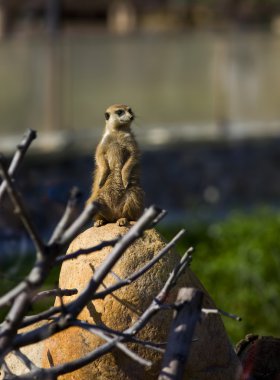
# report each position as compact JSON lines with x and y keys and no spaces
{"x":122,"y":222}
{"x":99,"y":223}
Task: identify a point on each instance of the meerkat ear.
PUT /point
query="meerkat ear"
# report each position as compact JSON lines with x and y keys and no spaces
{"x":107,"y":115}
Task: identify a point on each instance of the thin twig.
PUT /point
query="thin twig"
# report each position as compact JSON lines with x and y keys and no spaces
{"x":44,"y":315}
{"x":162,"y":214}
{"x":22,"y":148}
{"x":54,"y":293}
{"x":127,"y":337}
{"x":119,"y":345}
{"x":70,"y":233}
{"x":20,"y":295}
{"x":145,"y":268}
{"x":13,"y":319}
{"x":20,"y":210}
{"x":222,"y":312}
{"x":41,"y":269}
{"x":8,"y":298}
{"x":86,"y":251}
{"x":134,"y":233}
{"x":66,"y":217}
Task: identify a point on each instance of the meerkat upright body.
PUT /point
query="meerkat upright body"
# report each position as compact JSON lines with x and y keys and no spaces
{"x":116,"y":186}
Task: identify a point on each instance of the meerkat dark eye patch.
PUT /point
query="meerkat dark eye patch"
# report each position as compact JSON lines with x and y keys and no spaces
{"x":119,"y":112}
{"x":107,"y":115}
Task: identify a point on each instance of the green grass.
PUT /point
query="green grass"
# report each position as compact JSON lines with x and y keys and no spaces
{"x":238,"y":260}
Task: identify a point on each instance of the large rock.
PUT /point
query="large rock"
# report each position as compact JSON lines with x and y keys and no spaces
{"x":212,"y":356}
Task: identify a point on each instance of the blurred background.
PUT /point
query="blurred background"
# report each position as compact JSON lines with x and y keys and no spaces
{"x":203,"y":78}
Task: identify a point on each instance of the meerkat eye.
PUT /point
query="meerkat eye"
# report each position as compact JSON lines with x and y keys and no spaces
{"x":130,"y":111}
{"x":120,"y":112}
{"x":107,"y":115}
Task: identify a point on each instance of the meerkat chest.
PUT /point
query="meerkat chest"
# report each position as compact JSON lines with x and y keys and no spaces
{"x":117,"y":148}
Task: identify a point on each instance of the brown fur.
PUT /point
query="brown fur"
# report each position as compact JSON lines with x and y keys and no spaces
{"x":116,"y":186}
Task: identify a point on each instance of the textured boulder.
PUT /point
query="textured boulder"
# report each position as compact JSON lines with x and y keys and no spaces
{"x":212,"y":356}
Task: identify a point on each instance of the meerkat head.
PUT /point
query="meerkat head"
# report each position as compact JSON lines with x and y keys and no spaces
{"x":118,"y":115}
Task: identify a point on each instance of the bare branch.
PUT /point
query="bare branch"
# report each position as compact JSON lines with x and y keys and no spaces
{"x":23,"y":146}
{"x":86,"y":251}
{"x":10,"y":325}
{"x":159,"y":218}
{"x":66,"y":217}
{"x":176,"y":273}
{"x":188,"y":312}
{"x":44,"y":315}
{"x":20,"y":295}
{"x":54,"y":293}
{"x":8,"y":298}
{"x":134,"y":233}
{"x":97,"y":331}
{"x":145,"y":268}
{"x":20,"y":209}
{"x":42,"y":267}
{"x":75,"y":227}
{"x":221,"y":312}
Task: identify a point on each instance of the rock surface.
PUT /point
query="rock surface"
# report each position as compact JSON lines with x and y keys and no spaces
{"x":212,"y":357}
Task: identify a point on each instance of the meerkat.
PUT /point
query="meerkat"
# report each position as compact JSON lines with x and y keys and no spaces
{"x":116,"y":186}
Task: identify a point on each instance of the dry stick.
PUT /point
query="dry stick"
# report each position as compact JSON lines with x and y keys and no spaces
{"x":18,"y":156}
{"x":134,"y":233}
{"x":13,"y":319}
{"x":69,"y":234}
{"x":41,"y":269}
{"x":155,"y":306}
{"x":21,"y":300}
{"x":189,"y":301}
{"x":159,"y":218}
{"x":121,"y":346}
{"x":44,"y":315}
{"x":112,"y":332}
{"x":66,"y":217}
{"x":86,"y":251}
{"x":221,"y":312}
{"x":21,"y":211}
{"x":54,"y":293}
{"x":145,"y":268}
